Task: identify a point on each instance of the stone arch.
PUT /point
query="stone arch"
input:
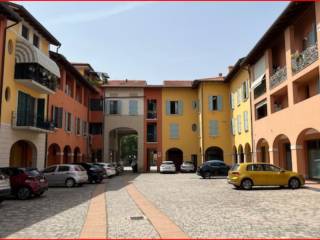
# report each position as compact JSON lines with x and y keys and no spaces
{"x":23,"y":153}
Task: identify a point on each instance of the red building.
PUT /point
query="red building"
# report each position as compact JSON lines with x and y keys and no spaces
{"x":68,"y":109}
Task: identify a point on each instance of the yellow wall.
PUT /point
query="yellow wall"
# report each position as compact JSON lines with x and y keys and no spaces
{"x":11,"y":105}
{"x":223,"y":140}
{"x":244,"y":137}
{"x":188,"y":140}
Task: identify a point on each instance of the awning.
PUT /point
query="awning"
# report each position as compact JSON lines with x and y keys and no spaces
{"x":27,"y":53}
{"x":260,"y":104}
{"x":257,"y":82}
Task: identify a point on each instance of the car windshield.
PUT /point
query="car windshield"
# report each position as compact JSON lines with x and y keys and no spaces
{"x":32,"y":172}
{"x":188,"y":163}
{"x":167,"y":162}
{"x":79,"y":168}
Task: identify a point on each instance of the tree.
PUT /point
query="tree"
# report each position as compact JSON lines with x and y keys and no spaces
{"x":129,"y":147}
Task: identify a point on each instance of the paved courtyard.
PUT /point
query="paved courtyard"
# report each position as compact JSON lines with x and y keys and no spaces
{"x":158,"y":206}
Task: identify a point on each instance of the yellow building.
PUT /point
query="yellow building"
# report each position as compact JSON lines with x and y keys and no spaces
{"x":240,"y":108}
{"x":214,"y":142}
{"x":29,"y":75}
{"x":180,"y":128}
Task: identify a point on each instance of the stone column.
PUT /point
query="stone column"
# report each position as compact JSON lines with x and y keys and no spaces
{"x":296,"y":154}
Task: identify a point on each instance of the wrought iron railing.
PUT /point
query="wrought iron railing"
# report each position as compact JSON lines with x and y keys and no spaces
{"x":278,"y":76}
{"x":299,"y":61}
{"x":37,"y":73}
{"x":27,"y":119}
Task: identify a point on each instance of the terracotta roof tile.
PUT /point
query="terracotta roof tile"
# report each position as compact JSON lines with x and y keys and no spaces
{"x":126,"y":83}
{"x":177,"y":83}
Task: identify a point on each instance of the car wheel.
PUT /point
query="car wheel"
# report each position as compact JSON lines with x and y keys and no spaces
{"x":39,"y":194}
{"x":23,"y":193}
{"x":70,"y":183}
{"x":98,"y":180}
{"x":294,"y":183}
{"x":206,"y":175}
{"x":246,"y":184}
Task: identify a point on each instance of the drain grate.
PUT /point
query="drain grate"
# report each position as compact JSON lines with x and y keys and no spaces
{"x":135,"y":218}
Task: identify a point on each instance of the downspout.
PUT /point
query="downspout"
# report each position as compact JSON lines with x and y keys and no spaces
{"x":2,"y":62}
{"x":202,"y":131}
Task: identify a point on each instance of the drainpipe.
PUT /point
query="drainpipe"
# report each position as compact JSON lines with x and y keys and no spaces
{"x":202,"y":131}
{"x":2,"y":62}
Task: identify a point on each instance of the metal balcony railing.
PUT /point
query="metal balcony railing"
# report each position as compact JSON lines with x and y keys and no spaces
{"x":278,"y":76}
{"x":299,"y":61}
{"x":27,"y":120}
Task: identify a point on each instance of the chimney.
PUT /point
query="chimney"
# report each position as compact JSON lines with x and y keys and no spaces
{"x":230,"y":68}
{"x":220,"y":74}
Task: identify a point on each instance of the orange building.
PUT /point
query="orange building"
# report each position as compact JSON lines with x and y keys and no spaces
{"x":68,"y":110}
{"x":285,"y":91}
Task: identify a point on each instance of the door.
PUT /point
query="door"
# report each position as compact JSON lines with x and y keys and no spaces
{"x":274,"y":176}
{"x":40,"y":112}
{"x":62,"y":175}
{"x":314,"y":159}
{"x":288,"y":157}
{"x":49,"y":173}
{"x":256,"y":173}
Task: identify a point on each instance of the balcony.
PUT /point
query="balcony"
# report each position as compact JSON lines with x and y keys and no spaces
{"x":28,"y":121}
{"x":34,"y":76}
{"x":278,"y":76}
{"x":152,"y":115}
{"x":151,"y":133}
{"x":302,"y":60}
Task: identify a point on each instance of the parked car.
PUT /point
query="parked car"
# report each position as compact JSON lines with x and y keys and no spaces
{"x":119,"y":167}
{"x":65,"y":175}
{"x":95,"y":173}
{"x":167,"y":167}
{"x":247,"y":175}
{"x":26,"y":182}
{"x":4,"y":186}
{"x":213,"y":168}
{"x":109,"y":168}
{"x":187,"y":166}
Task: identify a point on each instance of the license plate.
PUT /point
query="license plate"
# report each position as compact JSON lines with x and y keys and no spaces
{"x":41,"y":180}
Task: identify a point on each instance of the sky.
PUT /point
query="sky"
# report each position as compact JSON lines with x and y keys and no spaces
{"x":157,"y":41}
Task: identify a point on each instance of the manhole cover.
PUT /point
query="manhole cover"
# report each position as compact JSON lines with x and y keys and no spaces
{"x":137,"y":218}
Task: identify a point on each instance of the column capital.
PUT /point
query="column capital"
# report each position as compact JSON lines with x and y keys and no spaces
{"x":296,"y":147}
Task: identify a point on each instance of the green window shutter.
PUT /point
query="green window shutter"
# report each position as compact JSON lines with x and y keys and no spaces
{"x":213,"y":128}
{"x":168,"y":107}
{"x":119,"y":107}
{"x":133,"y":107}
{"x":219,"y":100}
{"x":238,"y":97}
{"x":174,"y":131}
{"x":107,"y":106}
{"x":66,"y":121}
{"x":60,"y":117}
{"x":210,"y":103}
{"x":245,"y":119}
{"x":239,"y":123}
{"x":180,"y":107}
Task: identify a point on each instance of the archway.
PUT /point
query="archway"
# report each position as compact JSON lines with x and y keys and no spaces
{"x":240,"y":154}
{"x":234,"y":155}
{"x":76,"y":155}
{"x":247,"y":152}
{"x":175,"y":155}
{"x":67,"y":154}
{"x":214,"y":153}
{"x":53,"y":154}
{"x":23,"y":154}
{"x":123,"y":147}
{"x":263,"y":151}
{"x":282,"y":152}
{"x":308,"y":153}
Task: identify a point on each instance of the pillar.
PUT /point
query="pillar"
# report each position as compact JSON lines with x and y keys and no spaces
{"x":298,"y":159}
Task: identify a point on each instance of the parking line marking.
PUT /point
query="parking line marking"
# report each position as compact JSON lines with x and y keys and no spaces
{"x":95,"y":225}
{"x":161,"y":222}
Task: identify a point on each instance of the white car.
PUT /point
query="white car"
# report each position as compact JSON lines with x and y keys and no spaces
{"x":187,"y":166}
{"x":5,"y":189}
{"x":110,"y":169}
{"x":167,"y":167}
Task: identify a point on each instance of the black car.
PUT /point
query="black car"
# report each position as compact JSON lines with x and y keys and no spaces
{"x":213,"y":168}
{"x":95,"y":173}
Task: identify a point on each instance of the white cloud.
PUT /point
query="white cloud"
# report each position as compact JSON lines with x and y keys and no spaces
{"x":89,"y":16}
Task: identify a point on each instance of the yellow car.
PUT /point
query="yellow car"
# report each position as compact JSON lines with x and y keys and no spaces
{"x":247,"y":175}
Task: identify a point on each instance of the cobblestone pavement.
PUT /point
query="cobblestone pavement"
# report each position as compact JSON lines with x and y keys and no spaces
{"x":60,"y":213}
{"x":214,"y":209}
{"x":120,"y":207}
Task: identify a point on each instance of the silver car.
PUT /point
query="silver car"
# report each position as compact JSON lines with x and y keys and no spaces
{"x":4,"y":186}
{"x":65,"y":175}
{"x":167,"y":167}
{"x":187,"y":166}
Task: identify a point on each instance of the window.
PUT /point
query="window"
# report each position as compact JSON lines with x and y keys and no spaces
{"x":270,"y":168}
{"x":245,"y":90}
{"x":232,"y":100}
{"x":57,"y":114}
{"x":255,"y":167}
{"x":78,"y":126}
{"x":50,"y":169}
{"x":246,"y":121}
{"x":213,"y":128}
{"x":133,"y":107}
{"x":174,"y":107}
{"x":151,"y":132}
{"x":85,"y":128}
{"x":68,"y":90}
{"x":95,"y":128}
{"x":233,"y":127}
{"x":25,"y":32}
{"x":194,"y":127}
{"x":36,"y":40}
{"x":63,"y":168}
{"x":152,"y":109}
{"x":174,"y":131}
{"x":96,"y":104}
{"x":261,"y":110}
{"x":195,"y":105}
{"x":25,"y":110}
{"x":259,"y":88}
{"x":113,"y":107}
{"x":238,"y":97}
{"x":68,"y":122}
{"x":215,"y":103}
{"x":239,"y":123}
